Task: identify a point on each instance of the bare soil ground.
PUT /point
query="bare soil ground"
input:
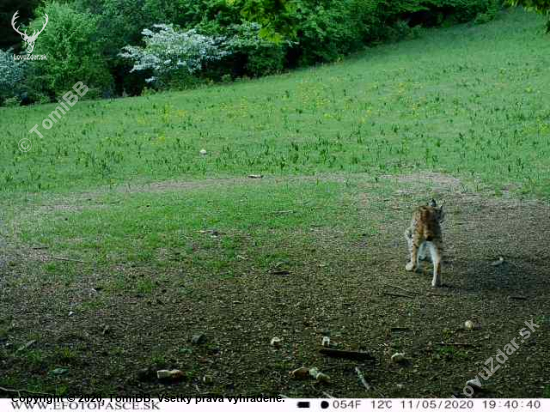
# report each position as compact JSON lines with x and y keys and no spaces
{"x":341,"y":288}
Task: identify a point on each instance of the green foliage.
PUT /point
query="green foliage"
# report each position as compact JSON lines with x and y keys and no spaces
{"x":541,"y":6}
{"x":73,"y":52}
{"x":276,"y":17}
{"x":85,"y":37}
{"x":11,"y":75}
{"x":257,"y":55}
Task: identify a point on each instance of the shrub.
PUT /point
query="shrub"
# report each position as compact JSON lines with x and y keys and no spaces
{"x":258,"y":55}
{"x":73,"y":50}
{"x":11,"y":76}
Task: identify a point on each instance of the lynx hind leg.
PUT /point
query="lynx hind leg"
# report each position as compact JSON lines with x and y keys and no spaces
{"x":422,"y":252}
{"x":435,"y":252}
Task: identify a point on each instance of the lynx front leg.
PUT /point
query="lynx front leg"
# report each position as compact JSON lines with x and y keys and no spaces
{"x":412,"y":265}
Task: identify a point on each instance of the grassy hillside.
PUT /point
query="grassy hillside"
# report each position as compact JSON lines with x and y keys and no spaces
{"x":120,"y":241}
{"x":471,"y":101}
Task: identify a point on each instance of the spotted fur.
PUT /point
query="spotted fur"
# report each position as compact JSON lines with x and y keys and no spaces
{"x":424,"y":234}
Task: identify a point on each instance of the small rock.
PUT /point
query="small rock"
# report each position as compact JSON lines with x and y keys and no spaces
{"x":71,"y":313}
{"x":207,"y":379}
{"x":164,"y":374}
{"x":326,"y":342}
{"x":499,"y":262}
{"x":59,"y":371}
{"x":474,"y":383}
{"x":26,"y":345}
{"x":323,"y":378}
{"x":319,"y":376}
{"x":276,"y":342}
{"x":177,"y":375}
{"x":313,"y":372}
{"x":398,"y":358}
{"x":203,"y":152}
{"x":469,"y":325}
{"x":198,"y":339}
{"x":174,"y":374}
{"x":300,"y":373}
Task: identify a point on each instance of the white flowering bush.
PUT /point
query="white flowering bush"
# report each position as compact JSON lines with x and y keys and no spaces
{"x":12,"y":73}
{"x":168,"y":51}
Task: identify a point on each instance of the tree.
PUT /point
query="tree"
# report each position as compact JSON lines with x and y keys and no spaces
{"x":73,"y":50}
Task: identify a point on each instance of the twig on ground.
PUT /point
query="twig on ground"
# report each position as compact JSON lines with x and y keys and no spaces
{"x":362,"y":379}
{"x":439,"y":295}
{"x":458,"y":344}
{"x":67,"y":259}
{"x":517,"y":297}
{"x":400,"y":329}
{"x":398,"y":287}
{"x":347,"y":354}
{"x":398,"y":295}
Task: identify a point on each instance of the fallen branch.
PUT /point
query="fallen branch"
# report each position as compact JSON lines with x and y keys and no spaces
{"x":347,"y":354}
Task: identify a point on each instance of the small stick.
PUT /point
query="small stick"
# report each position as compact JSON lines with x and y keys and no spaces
{"x":398,"y":295}
{"x":39,"y":247}
{"x":362,"y":379}
{"x":518,"y":297}
{"x":439,"y":295}
{"x":282,"y":212}
{"x":399,"y":329}
{"x":335,"y":353}
{"x":67,"y":259}
{"x":459,"y":344}
{"x":398,"y":287}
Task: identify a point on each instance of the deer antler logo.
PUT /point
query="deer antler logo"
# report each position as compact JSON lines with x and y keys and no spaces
{"x":30,"y":40}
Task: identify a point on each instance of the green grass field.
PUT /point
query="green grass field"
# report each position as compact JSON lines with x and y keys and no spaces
{"x":471,"y":101}
{"x":120,"y":240}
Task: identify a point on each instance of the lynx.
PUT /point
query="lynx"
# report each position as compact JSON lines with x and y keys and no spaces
{"x":425,"y":233}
